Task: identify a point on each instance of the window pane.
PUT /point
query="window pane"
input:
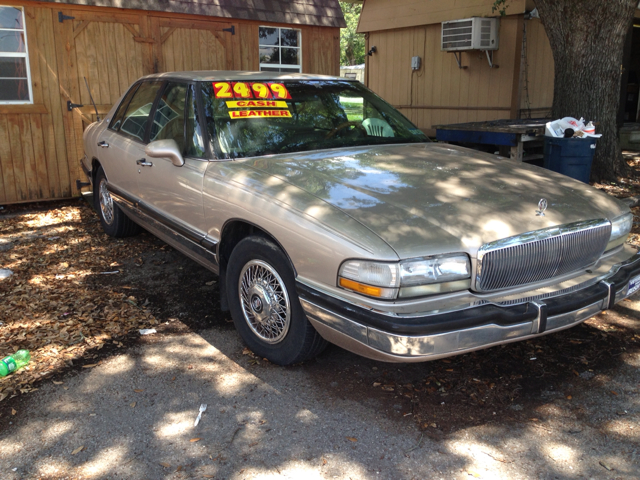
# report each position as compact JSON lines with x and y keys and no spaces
{"x":11,"y":41}
{"x":195,"y":141}
{"x":13,"y":67}
{"x":117,"y":118}
{"x":268,"y":36}
{"x":11,"y":17}
{"x":168,"y":120}
{"x":14,"y":90}
{"x":135,"y":120}
{"x":289,"y":37}
{"x":269,"y":55}
{"x":290,"y":56}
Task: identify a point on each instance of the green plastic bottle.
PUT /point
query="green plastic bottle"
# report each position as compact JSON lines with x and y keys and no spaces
{"x":13,"y":362}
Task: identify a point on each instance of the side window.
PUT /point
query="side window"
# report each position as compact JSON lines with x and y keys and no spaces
{"x":195,"y":140}
{"x":168,"y":119}
{"x":116,"y":121}
{"x":353,"y":106}
{"x":135,"y":119}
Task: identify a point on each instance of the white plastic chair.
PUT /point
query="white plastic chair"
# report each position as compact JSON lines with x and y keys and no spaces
{"x":378,"y":128}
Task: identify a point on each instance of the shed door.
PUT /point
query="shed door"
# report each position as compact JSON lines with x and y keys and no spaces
{"x":111,"y":51}
{"x":195,"y":45}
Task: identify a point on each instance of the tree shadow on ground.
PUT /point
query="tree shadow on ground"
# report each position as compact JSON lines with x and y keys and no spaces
{"x":560,"y":406}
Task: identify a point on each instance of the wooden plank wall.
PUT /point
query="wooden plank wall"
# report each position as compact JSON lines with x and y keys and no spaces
{"x":41,"y":144}
{"x":33,"y":152}
{"x":321,"y":51}
{"x":380,"y":15}
{"x":540,"y":73}
{"x":440,"y":92}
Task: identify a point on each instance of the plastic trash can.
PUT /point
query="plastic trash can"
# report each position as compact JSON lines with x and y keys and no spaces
{"x":570,"y":156}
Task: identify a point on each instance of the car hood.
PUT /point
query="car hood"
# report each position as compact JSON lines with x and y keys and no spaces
{"x":434,"y":198}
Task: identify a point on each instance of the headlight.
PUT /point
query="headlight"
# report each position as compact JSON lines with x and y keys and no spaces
{"x":374,"y":279}
{"x":620,"y":228}
{"x":409,"y":278}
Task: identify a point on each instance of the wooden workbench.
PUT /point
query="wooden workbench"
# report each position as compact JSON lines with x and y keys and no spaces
{"x":509,"y":135}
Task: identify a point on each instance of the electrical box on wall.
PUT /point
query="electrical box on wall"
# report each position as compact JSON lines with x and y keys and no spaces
{"x":415,"y":63}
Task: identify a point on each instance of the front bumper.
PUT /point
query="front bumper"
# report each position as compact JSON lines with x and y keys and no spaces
{"x":395,"y":338}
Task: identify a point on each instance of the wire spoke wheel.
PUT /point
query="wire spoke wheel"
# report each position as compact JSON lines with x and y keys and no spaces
{"x":106,"y":203}
{"x":265,"y":301}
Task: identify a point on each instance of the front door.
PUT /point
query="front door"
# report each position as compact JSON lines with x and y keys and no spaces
{"x":122,"y":144}
{"x":175,"y":192}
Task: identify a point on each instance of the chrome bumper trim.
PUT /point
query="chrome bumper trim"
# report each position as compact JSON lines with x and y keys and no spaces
{"x":385,"y":346}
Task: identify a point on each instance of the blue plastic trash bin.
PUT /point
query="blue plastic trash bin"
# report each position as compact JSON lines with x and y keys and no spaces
{"x":570,"y":156}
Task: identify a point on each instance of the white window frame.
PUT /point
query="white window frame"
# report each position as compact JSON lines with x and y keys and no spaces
{"x":24,"y":55}
{"x":279,"y":47}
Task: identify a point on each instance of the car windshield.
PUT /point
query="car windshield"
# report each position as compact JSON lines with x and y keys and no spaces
{"x":264,"y":118}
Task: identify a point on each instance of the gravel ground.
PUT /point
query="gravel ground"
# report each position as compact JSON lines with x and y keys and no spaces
{"x":561,"y":406}
{"x":133,"y":415}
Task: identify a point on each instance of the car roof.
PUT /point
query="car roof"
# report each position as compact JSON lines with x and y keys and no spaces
{"x":238,"y":75}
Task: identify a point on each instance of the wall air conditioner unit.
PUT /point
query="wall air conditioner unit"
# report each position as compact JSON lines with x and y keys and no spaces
{"x":475,"y":33}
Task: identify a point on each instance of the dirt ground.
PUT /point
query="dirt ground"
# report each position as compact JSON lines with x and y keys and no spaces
{"x":565,"y":405}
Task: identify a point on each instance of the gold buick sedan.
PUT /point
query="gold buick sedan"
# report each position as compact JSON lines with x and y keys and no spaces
{"x":329,"y":217}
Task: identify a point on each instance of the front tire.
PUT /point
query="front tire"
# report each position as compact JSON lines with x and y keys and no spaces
{"x":113,"y":220}
{"x":265,"y":306}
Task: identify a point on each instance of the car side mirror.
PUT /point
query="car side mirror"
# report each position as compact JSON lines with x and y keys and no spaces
{"x":167,"y":148}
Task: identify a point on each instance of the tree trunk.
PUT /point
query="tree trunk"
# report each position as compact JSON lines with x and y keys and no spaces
{"x":587,"y":39}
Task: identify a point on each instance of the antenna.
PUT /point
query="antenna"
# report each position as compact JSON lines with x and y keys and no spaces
{"x":91,"y":97}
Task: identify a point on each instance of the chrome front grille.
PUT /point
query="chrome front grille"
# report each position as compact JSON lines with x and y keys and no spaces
{"x":541,"y":255}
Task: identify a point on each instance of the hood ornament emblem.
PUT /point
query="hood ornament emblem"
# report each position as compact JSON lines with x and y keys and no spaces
{"x":542,"y":206}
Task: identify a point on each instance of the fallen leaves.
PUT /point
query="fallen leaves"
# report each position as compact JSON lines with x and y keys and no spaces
{"x":13,"y":411}
{"x":352,"y":439}
{"x":132,"y":404}
{"x":50,"y":305}
{"x":193,"y":440}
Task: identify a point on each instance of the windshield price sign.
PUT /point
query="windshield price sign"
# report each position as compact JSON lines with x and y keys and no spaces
{"x":235,"y":114}
{"x":240,"y":90}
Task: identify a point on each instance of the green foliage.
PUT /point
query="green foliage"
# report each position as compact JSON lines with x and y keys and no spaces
{"x":351,"y":43}
{"x":500,"y":6}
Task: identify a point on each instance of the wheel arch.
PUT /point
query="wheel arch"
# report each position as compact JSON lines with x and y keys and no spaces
{"x":95,"y":165}
{"x":233,"y":232}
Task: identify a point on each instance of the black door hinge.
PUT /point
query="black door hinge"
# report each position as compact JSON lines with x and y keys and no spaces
{"x":62,"y":17}
{"x":71,"y":106}
{"x":231,"y":30}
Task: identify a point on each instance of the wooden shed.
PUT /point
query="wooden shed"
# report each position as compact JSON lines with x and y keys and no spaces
{"x":514,"y":81}
{"x":48,"y":47}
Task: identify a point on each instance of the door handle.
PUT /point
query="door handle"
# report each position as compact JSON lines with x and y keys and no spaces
{"x":143,"y":163}
{"x":103,"y":144}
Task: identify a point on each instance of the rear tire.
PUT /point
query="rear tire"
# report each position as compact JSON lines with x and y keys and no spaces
{"x":113,"y":220}
{"x":264,"y":304}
